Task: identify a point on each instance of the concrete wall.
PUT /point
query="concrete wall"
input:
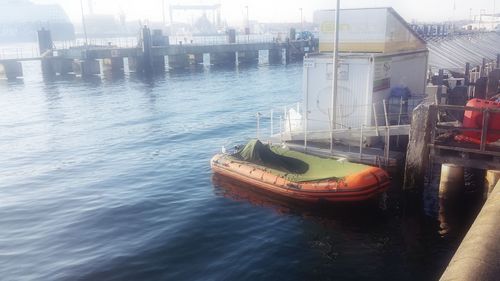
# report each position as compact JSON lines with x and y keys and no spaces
{"x":478,"y":257}
{"x":10,"y":69}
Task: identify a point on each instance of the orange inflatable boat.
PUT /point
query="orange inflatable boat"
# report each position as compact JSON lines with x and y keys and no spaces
{"x":301,"y":176}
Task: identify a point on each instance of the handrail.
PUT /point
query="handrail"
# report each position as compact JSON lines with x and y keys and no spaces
{"x":464,"y":108}
{"x":484,"y":130}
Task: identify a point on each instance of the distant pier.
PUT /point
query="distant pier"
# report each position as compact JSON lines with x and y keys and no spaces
{"x":149,"y":56}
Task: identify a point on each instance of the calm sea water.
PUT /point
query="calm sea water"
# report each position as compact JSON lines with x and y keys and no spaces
{"x":108,"y":179}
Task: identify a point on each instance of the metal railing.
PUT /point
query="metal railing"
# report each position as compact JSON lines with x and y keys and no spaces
{"x":19,"y":53}
{"x":465,"y":144}
{"x":385,"y":119}
{"x":222,"y":39}
{"x":121,"y":42}
{"x":32,"y":51}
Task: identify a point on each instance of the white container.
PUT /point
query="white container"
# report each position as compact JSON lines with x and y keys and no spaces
{"x":364,"y":80}
{"x":375,"y":30}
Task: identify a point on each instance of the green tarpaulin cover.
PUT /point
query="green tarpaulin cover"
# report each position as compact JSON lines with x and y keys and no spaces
{"x":293,"y":165}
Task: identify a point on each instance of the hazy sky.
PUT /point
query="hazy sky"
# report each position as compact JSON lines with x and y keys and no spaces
{"x":284,"y":11}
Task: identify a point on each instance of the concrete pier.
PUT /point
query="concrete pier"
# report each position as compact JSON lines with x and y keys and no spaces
{"x":294,"y":54}
{"x":223,"y":58}
{"x":196,"y":59}
{"x":158,"y":64}
{"x":86,"y":67}
{"x":149,"y":56}
{"x":10,"y":69}
{"x":178,"y":61}
{"x":478,"y":256}
{"x":248,"y":57}
{"x":114,"y":65}
{"x":491,"y":178}
{"x":135,"y":64}
{"x":275,"y":56}
{"x":55,"y":66}
{"x":48,"y":69}
{"x":62,"y":66}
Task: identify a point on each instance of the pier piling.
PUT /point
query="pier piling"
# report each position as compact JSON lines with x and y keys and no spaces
{"x":196,"y":59}
{"x":223,"y":58}
{"x":86,"y":68}
{"x":114,"y":65}
{"x":417,"y":155}
{"x":452,"y":179}
{"x":275,"y":56}
{"x":248,"y":57}
{"x":147,"y":57}
{"x":178,"y":61}
{"x":10,"y":69}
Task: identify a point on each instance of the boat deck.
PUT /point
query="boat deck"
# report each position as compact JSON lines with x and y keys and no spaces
{"x":368,"y":156}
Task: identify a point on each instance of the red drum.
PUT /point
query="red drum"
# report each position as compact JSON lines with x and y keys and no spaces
{"x":474,"y":119}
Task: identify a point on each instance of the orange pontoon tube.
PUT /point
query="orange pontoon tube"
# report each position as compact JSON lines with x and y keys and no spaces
{"x":301,"y":176}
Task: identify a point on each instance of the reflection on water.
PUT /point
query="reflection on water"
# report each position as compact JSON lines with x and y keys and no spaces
{"x":108,"y":178}
{"x":239,"y":191}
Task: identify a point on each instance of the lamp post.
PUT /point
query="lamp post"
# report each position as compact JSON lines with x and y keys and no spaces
{"x":494,"y":16}
{"x":334,"y":75}
{"x":83,"y":24}
{"x":301,"y":21}
{"x":247,"y":29}
{"x":163,"y":12}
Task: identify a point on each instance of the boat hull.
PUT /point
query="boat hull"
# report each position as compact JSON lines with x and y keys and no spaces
{"x":361,"y":186}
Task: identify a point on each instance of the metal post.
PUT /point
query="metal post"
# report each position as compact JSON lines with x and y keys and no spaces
{"x":281,"y":129}
{"x":163,"y":12}
{"x":400,"y":110}
{"x":375,"y":119}
{"x":83,"y":23}
{"x":440,"y":87}
{"x":498,"y":60}
{"x":467,"y":74}
{"x":248,"y":25}
{"x":361,"y":143}
{"x":272,"y":122}
{"x":258,"y":124}
{"x":306,"y":110}
{"x":285,"y":117}
{"x":483,"y":68}
{"x":484,"y":129}
{"x":399,"y":117}
{"x":334,"y":74}
{"x":301,"y":21}
{"x":387,"y":136}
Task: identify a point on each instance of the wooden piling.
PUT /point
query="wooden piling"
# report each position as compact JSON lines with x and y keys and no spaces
{"x":417,"y":154}
{"x":451,"y":180}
